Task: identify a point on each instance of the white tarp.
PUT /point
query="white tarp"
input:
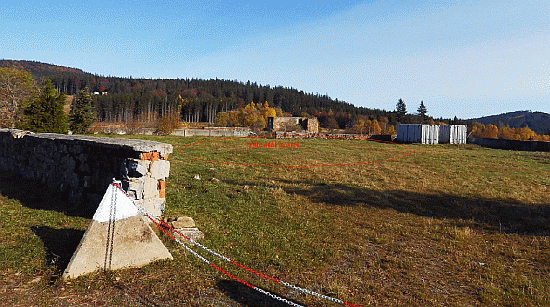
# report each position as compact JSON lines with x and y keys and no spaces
{"x":458,"y":134}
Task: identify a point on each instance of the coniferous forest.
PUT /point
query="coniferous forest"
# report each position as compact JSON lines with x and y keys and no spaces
{"x":118,"y":99}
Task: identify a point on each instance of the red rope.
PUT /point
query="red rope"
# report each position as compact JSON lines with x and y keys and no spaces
{"x":213,"y":265}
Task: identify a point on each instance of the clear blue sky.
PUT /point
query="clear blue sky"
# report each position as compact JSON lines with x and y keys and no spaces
{"x":461,"y":57}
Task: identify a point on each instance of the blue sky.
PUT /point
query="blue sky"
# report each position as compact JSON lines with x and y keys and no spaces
{"x":463,"y":58}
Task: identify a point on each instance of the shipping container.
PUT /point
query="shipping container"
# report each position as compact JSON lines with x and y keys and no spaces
{"x":425,"y":134}
{"x":452,"y":134}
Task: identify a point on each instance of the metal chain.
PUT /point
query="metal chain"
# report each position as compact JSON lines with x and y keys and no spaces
{"x":110,"y":231}
{"x":154,"y":219}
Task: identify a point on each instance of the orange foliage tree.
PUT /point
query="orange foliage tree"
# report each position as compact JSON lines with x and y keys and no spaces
{"x":491,"y":131}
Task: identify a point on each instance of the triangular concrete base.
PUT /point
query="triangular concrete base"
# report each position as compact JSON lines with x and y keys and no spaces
{"x":133,"y":242}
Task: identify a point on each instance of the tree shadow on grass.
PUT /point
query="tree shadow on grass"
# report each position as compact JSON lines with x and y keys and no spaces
{"x":502,"y":215}
{"x":59,"y":246}
{"x":35,"y":194}
{"x":249,"y":297}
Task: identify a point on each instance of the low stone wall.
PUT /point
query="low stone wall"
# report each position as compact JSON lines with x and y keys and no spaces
{"x":511,"y":144}
{"x":209,"y":131}
{"x":81,"y":167}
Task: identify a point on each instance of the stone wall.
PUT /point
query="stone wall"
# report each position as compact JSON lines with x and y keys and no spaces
{"x":239,"y":132}
{"x":81,"y":167}
{"x":310,"y":125}
{"x":208,"y":131}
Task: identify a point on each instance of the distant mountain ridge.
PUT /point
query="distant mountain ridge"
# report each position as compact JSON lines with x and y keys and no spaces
{"x":39,"y":68}
{"x":537,"y":121}
{"x":125,"y":99}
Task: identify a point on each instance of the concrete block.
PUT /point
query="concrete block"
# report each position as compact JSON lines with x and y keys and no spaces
{"x":132,"y":244}
{"x":150,"y":188}
{"x":193,"y":233}
{"x":160,"y":169}
{"x":183,"y":222}
{"x":137,"y":168}
{"x":135,"y":187}
{"x":154,"y":206}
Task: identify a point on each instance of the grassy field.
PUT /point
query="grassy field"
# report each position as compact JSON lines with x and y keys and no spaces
{"x":444,"y":226}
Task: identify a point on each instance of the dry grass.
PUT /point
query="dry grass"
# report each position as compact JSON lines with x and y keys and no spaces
{"x":445,"y":226}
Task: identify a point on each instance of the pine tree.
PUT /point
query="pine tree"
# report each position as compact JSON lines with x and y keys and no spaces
{"x":45,"y":113}
{"x":422,"y":111}
{"x":400,"y":109}
{"x":81,"y":115}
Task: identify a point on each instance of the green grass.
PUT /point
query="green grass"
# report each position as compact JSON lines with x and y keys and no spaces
{"x":446,"y":225}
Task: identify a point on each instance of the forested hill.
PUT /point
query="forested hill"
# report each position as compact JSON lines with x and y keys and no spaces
{"x":539,"y":122}
{"x":123,"y":99}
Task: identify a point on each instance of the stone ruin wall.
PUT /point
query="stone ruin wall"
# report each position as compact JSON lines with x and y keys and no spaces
{"x":310,"y":125}
{"x":82,"y":167}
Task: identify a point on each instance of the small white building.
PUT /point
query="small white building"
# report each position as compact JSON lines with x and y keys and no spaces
{"x":432,"y":134}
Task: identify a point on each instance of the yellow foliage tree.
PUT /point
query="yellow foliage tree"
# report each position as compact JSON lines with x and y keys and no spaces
{"x":358,"y":126}
{"x":525,"y":133}
{"x":490,"y":132}
{"x":372,"y":127}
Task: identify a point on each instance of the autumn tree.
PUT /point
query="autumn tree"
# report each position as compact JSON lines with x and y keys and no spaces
{"x":383,"y":124}
{"x":81,"y":115}
{"x":482,"y":131}
{"x":507,"y":133}
{"x":222,"y":119}
{"x":525,"y":133}
{"x":267,"y":111}
{"x":358,"y":126}
{"x":330,"y":121}
{"x":45,"y":113}
{"x":252,"y":117}
{"x":372,"y":127}
{"x":490,"y":132}
{"x":17,"y":88}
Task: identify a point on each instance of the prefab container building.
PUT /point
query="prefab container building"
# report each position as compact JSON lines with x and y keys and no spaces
{"x":425,"y":134}
{"x":432,"y":134}
{"x":453,"y":134}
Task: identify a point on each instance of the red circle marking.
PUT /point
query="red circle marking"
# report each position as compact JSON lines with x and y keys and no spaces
{"x":317,"y":165}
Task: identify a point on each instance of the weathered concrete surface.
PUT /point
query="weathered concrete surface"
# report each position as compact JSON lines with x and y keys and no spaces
{"x":193,"y":233}
{"x":134,"y":244}
{"x":118,"y":237}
